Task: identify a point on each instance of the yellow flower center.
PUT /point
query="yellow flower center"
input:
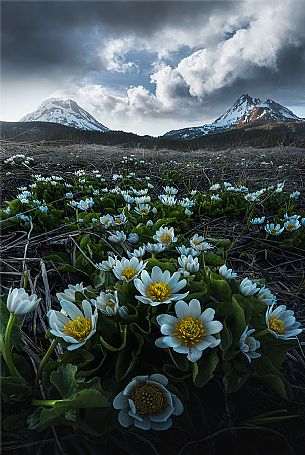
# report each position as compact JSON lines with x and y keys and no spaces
{"x":277,"y":325}
{"x":118,"y":221}
{"x":129,"y":272}
{"x":290,"y":227}
{"x":189,"y":330}
{"x":111,"y":304}
{"x":273,"y":231}
{"x":166,"y":238}
{"x":197,"y":244}
{"x":79,"y":328}
{"x":247,"y":342}
{"x":158,"y":291}
{"x":148,"y":399}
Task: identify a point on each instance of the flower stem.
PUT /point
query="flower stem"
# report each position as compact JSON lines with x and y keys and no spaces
{"x":25,"y":279}
{"x":262,"y":333}
{"x":7,"y":354}
{"x":46,"y":402}
{"x":2,"y":346}
{"x":44,"y":361}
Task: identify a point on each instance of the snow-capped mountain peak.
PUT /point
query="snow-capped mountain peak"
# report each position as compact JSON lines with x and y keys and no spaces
{"x":269,"y":110}
{"x":66,"y":112}
{"x":246,"y":110}
{"x":238,"y":112}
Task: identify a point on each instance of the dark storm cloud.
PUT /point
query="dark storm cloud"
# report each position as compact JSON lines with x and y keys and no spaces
{"x":57,"y":35}
{"x":153,"y":62}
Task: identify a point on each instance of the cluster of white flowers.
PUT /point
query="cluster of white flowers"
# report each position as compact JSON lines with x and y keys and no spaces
{"x":132,"y":160}
{"x":82,"y":204}
{"x":19,"y":158}
{"x":280,"y":322}
{"x":227,"y":186}
{"x":291,"y":223}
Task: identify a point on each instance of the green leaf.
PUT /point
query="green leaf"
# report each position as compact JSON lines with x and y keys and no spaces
{"x":270,"y":376}
{"x":76,"y":393}
{"x":171,"y":371}
{"x":84,"y":242}
{"x":123,"y":332}
{"x":163,"y":221}
{"x":107,"y":202}
{"x":213,"y":259}
{"x":64,"y":380}
{"x":220,"y":289}
{"x":79,"y":357}
{"x":99,"y":280}
{"x":276,"y":349}
{"x":86,"y":398}
{"x":15,"y":206}
{"x":179,"y":360}
{"x":250,"y":305}
{"x":221,"y":242}
{"x":226,"y":338}
{"x":125,"y":363}
{"x":236,"y":323}
{"x":43,"y":418}
{"x":14,"y":386}
{"x":62,"y":258}
{"x":71,"y":415}
{"x":198,"y":290}
{"x":203,"y":369}
{"x":271,"y":417}
{"x":164,"y":265}
{"x":235,"y":376}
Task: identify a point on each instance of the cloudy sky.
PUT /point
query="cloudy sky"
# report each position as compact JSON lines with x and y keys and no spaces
{"x":152,"y":66}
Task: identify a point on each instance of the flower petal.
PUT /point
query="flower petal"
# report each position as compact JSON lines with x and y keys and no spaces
{"x":182,"y":309}
{"x":195,"y":308}
{"x":207,"y":315}
{"x":213,"y":327}
{"x":159,"y":378}
{"x":144,"y":425}
{"x":166,"y":319}
{"x":120,"y":401}
{"x":178,"y":406}
{"x":124,"y":419}
{"x":194,"y":354}
{"x":71,"y":309}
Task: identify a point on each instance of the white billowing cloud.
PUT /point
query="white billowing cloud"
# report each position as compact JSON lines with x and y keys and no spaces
{"x":201,"y":31}
{"x":257,"y":45}
{"x":171,"y":88}
{"x":112,"y":54}
{"x":222,"y":51}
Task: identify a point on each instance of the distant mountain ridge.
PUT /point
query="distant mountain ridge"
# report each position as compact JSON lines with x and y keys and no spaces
{"x":269,"y":134}
{"x":245,"y":111}
{"x":65,"y":112}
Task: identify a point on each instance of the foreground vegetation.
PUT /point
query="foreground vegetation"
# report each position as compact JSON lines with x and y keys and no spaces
{"x":151,"y":296}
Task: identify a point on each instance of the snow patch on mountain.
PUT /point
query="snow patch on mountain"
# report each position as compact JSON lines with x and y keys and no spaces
{"x":240,"y":110}
{"x":245,"y":110}
{"x":66,"y":112}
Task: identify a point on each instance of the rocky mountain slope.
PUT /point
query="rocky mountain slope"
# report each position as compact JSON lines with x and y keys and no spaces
{"x":65,"y":112}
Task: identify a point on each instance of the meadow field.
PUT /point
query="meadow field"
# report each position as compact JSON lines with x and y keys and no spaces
{"x":152,"y":300}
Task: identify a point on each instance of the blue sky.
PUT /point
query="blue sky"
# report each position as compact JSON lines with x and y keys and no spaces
{"x":149,"y":67}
